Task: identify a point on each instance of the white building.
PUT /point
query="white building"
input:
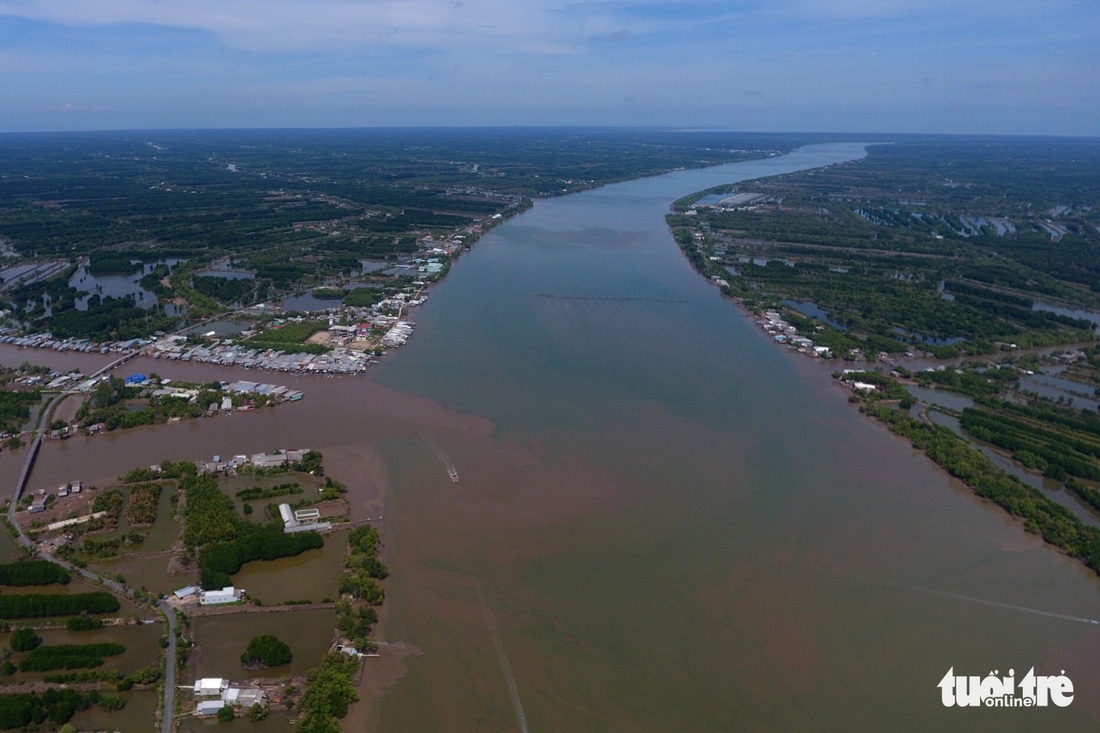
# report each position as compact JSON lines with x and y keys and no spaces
{"x":287,"y":515}
{"x":209,"y":707}
{"x":266,"y":460}
{"x":211,"y":687}
{"x":229,"y":594}
{"x":307,"y":516}
{"x":244,"y":697}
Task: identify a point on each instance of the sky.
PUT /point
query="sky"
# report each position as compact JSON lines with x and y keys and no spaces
{"x":940,"y":66}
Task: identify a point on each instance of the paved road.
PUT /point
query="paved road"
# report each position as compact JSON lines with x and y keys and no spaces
{"x":168,"y":611}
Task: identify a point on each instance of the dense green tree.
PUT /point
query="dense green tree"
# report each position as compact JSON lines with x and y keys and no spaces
{"x":266,"y":651}
{"x":24,"y":640}
{"x":33,"y":572}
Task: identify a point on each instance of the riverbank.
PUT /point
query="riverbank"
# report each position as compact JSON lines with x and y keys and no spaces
{"x":1038,"y":513}
{"x":704,"y":460}
{"x":631,"y":465}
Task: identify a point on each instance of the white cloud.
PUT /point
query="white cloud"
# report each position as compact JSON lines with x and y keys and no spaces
{"x":474,"y":61}
{"x":308,"y":25}
{"x":550,"y":26}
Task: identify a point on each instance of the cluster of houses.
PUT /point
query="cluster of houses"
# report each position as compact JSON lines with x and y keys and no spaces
{"x":232,"y":351}
{"x":784,"y":333}
{"x":216,"y":597}
{"x":175,"y":348}
{"x":214,"y":693}
{"x":278,"y":459}
{"x":47,"y":341}
{"x":356,"y":337}
{"x":279,"y":392}
{"x":38,"y":503}
{"x":397,"y":335}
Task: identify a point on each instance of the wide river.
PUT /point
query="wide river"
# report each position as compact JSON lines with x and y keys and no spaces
{"x":663,"y":522}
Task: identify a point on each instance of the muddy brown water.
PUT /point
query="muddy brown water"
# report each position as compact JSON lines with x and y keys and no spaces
{"x":662,"y":522}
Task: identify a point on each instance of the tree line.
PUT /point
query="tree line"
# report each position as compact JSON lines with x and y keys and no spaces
{"x":35,"y":605}
{"x":1053,"y":522}
{"x":21,"y":709}
{"x":33,"y":572}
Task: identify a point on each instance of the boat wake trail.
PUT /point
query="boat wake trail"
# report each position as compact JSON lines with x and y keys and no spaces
{"x":975,"y":599}
{"x":443,"y":458}
{"x":1009,"y":606}
{"x":502,"y":657}
{"x":505,"y":667}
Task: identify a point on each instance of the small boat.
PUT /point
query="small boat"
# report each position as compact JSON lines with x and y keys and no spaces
{"x":454,"y":474}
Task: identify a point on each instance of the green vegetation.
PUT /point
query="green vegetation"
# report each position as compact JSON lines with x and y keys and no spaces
{"x":33,"y":572}
{"x":111,"y":263}
{"x":228,"y":541}
{"x":83,"y":622}
{"x":1046,"y":435}
{"x":1053,"y":522}
{"x":110,"y":319}
{"x":15,"y":408}
{"x":144,"y":676}
{"x":103,"y":546}
{"x":928,"y":245}
{"x":227,"y":290}
{"x":361,"y":297}
{"x":355,"y":614}
{"x":365,"y":544}
{"x":19,"y":710}
{"x":973,"y":379}
{"x":265,"y":651}
{"x":259,"y":492}
{"x":142,"y":507}
{"x":332,"y":489}
{"x":110,"y":502}
{"x":153,"y":410}
{"x":945,"y":247}
{"x":254,"y":543}
{"x":288,"y":337}
{"x":31,"y":606}
{"x":209,"y":515}
{"x":115,"y":406}
{"x":311,"y":463}
{"x":153,"y":282}
{"x":168,"y":469}
{"x":302,"y":208}
{"x":1050,"y":441}
{"x":888,"y":388}
{"x":328,"y":693}
{"x":24,"y":640}
{"x":69,"y":656}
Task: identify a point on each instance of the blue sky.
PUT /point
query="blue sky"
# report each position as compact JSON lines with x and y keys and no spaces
{"x":965,"y":66}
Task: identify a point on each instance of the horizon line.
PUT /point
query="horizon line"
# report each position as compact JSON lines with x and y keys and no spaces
{"x":648,"y":128}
